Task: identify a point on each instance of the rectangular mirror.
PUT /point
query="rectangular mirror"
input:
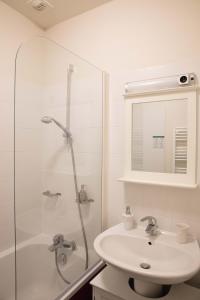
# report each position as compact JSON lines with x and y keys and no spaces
{"x":159,"y":136}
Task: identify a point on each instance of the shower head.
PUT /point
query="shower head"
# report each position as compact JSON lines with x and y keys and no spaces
{"x":48,"y":120}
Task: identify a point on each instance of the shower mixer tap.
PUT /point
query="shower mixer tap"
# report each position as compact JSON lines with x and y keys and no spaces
{"x":60,"y":242}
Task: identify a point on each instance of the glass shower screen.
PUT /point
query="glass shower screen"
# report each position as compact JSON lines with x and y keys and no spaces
{"x":58,"y":164}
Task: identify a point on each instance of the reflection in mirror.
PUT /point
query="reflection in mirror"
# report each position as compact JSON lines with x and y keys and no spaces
{"x":159,"y":136}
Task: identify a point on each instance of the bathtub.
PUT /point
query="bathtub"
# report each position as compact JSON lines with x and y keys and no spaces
{"x":37,"y":277}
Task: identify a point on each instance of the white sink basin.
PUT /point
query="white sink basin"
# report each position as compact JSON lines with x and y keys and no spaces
{"x":169,"y":261}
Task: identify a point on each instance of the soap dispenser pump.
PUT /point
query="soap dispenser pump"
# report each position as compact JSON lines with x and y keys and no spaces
{"x":128,"y":219}
{"x":128,"y":210}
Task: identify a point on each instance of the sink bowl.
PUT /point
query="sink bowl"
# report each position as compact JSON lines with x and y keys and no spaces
{"x":159,"y":259}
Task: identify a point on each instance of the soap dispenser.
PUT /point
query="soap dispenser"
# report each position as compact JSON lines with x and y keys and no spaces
{"x":128,"y":219}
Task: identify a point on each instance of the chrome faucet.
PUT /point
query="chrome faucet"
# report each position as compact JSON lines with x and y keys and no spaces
{"x":60,"y":242}
{"x":152,"y":227}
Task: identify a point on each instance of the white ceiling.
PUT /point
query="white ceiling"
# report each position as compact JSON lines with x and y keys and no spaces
{"x":62,"y":10}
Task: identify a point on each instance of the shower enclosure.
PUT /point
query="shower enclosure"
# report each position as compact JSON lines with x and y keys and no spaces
{"x":58,"y":169}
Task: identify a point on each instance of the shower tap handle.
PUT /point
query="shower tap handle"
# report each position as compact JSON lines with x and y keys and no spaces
{"x":90,"y":200}
{"x":60,"y":242}
{"x":50,"y":194}
{"x":71,"y":245}
{"x":58,"y":238}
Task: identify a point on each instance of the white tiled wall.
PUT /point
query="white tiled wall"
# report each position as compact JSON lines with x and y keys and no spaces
{"x":124,"y":36}
{"x":136,"y":48}
{"x":61,"y":214}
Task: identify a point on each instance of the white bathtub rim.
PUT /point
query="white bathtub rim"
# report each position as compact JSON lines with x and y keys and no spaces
{"x":41,"y":239}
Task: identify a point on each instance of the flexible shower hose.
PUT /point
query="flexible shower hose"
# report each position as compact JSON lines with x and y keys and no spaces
{"x":80,"y":217}
{"x":78,"y":204}
{"x":70,"y":143}
{"x":58,"y":268}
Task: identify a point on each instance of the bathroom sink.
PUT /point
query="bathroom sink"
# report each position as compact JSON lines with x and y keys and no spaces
{"x":158,"y":259}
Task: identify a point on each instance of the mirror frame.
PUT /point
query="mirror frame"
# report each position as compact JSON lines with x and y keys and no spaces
{"x":187,"y":180}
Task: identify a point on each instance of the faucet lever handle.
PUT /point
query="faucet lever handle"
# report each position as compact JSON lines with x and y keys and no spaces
{"x":151,"y":220}
{"x":50,"y":194}
{"x":58,"y":239}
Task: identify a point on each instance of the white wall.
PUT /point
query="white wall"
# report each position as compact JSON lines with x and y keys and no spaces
{"x":127,"y":34}
{"x":28,"y":139}
{"x":14,"y":29}
{"x":124,"y":37}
